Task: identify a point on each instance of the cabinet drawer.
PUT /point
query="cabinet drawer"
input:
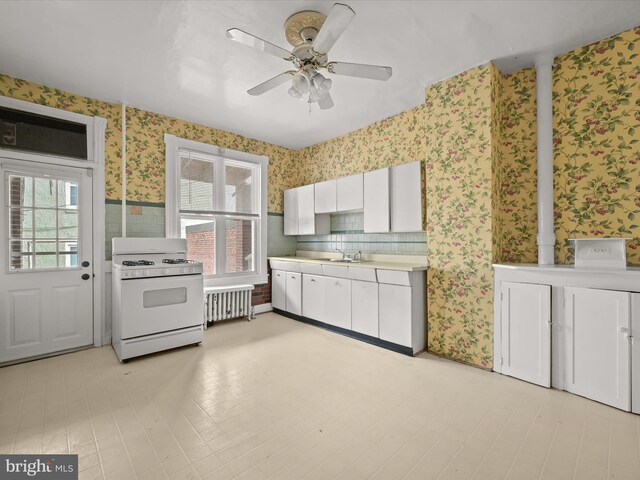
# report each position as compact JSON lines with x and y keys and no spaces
{"x":335,"y":271}
{"x":364,"y":274}
{"x":311,"y":268}
{"x":394,"y":277}
{"x":282,"y":265}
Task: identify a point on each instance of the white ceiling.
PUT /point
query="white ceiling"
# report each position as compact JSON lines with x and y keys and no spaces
{"x":173,"y":57}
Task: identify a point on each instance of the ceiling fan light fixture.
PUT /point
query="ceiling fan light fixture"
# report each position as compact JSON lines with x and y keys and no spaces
{"x":322,"y":83}
{"x":295,"y":93}
{"x":300,"y":83}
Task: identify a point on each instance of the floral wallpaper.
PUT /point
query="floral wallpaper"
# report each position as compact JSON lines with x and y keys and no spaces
{"x":596,"y":99}
{"x":146,"y":155}
{"x":514,"y":149}
{"x":459,"y":216}
{"x":56,"y":98}
{"x":145,"y":143}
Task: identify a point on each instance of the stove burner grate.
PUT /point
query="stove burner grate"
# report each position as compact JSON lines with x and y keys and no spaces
{"x":135,"y":263}
{"x":174,"y":261}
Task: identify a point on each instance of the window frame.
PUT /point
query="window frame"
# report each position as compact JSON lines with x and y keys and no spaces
{"x":173,"y":146}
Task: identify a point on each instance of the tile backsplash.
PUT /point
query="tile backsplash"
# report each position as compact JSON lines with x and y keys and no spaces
{"x":347,"y":234}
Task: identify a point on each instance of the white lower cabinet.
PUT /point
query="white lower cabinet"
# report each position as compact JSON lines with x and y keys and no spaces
{"x":526,"y":332}
{"x":597,"y":345}
{"x":313,"y":297}
{"x":293,"y":291}
{"x":364,"y":307}
{"x":286,"y":291}
{"x":337,"y":297}
{"x":278,"y":289}
{"x":395,"y":314}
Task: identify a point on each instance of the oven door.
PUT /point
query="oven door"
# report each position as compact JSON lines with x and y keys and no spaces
{"x":152,"y":305}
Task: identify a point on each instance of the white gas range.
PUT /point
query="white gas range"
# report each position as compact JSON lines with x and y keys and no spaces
{"x":157,"y":296}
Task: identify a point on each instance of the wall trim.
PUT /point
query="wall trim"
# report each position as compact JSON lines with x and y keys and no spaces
{"x":110,"y":201}
{"x":262,"y":308}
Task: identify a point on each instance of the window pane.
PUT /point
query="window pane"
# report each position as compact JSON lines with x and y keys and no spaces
{"x":45,"y":255}
{"x":67,"y":255}
{"x":20,"y":223}
{"x":20,"y":190}
{"x":196,"y":184}
{"x":19,"y":255}
{"x":67,"y":194}
{"x":45,"y":192}
{"x":45,"y":223}
{"x":200,"y":234}
{"x":240,"y":245}
{"x":239,"y":187}
{"x":67,"y":224}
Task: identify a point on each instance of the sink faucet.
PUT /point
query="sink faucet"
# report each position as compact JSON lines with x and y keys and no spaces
{"x":344,"y":255}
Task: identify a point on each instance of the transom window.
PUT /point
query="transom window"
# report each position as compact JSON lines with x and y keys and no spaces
{"x":216,"y":200}
{"x":43,"y":225}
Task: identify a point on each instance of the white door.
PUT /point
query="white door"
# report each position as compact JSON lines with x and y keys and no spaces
{"x":598,"y":357}
{"x":291,"y":211}
{"x":395,"y":314}
{"x":337,"y":295}
{"x":364,"y":307}
{"x":526,"y":332}
{"x":306,"y":210}
{"x":350,"y":192}
{"x":325,"y":197}
{"x":406,"y":198}
{"x":293,"y":289}
{"x":376,"y":201}
{"x":46,"y":279}
{"x":313,"y":306}
{"x":635,"y":352}
{"x":278,"y":298}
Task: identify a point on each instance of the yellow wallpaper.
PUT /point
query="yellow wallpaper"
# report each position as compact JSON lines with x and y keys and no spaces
{"x":56,"y":98}
{"x":145,"y":143}
{"x":392,"y":141}
{"x":459,"y":214}
{"x":146,"y":160}
{"x":515,"y":172}
{"x":596,"y":91}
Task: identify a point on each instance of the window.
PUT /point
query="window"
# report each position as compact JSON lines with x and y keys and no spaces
{"x":216,"y":199}
{"x":43,"y":232}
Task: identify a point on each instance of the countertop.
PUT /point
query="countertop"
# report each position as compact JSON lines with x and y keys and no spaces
{"x":534,"y":267}
{"x":405,"y":263}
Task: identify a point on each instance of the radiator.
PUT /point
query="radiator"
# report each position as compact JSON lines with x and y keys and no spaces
{"x":222,"y":303}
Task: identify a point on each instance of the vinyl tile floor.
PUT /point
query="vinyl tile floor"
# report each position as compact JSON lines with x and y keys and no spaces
{"x":278,"y":399}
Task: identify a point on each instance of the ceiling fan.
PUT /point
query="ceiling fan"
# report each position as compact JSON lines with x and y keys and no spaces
{"x":312,"y":35}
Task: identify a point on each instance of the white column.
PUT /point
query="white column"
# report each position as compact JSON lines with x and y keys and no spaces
{"x":546,"y":234}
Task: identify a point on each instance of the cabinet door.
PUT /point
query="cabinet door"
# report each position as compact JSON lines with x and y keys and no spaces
{"x":406,"y":198}
{"x":337,"y":293}
{"x":278,"y":297}
{"x":395,"y":314}
{"x":306,"y":212}
{"x":597,"y":345}
{"x":376,"y":201}
{"x":526,"y":332}
{"x":350,"y":192}
{"x":325,"y":197}
{"x":313,"y":297}
{"x":293,"y":289}
{"x":291,"y":212}
{"x":364,"y":307}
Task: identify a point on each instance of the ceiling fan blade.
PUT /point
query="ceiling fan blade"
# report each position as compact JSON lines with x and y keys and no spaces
{"x":325,"y":102}
{"x":336,"y":22}
{"x":271,"y":83}
{"x":374,"y":72}
{"x":257,"y":43}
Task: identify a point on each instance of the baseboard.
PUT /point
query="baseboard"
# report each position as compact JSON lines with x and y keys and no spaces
{"x":263,"y":308}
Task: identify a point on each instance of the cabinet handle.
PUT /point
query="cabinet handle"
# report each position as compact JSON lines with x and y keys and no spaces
{"x":293,"y":278}
{"x":313,"y":280}
{"x":624,"y":331}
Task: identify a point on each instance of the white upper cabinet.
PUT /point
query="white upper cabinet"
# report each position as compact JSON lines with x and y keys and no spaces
{"x":376,"y":201}
{"x":325,"y":197}
{"x":406,"y":197}
{"x":350,"y":193}
{"x":291,"y":212}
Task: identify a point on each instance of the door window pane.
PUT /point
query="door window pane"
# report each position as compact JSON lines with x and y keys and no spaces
{"x":196,"y":184}
{"x":239,"y":188}
{"x":240,"y":236}
{"x":40,"y":212}
{"x":200,"y":234}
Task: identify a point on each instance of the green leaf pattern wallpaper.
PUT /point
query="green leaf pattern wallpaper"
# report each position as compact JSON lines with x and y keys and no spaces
{"x":596,"y":99}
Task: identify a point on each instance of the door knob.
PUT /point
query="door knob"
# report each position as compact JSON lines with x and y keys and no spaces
{"x":85,"y":264}
{"x":85,"y":276}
